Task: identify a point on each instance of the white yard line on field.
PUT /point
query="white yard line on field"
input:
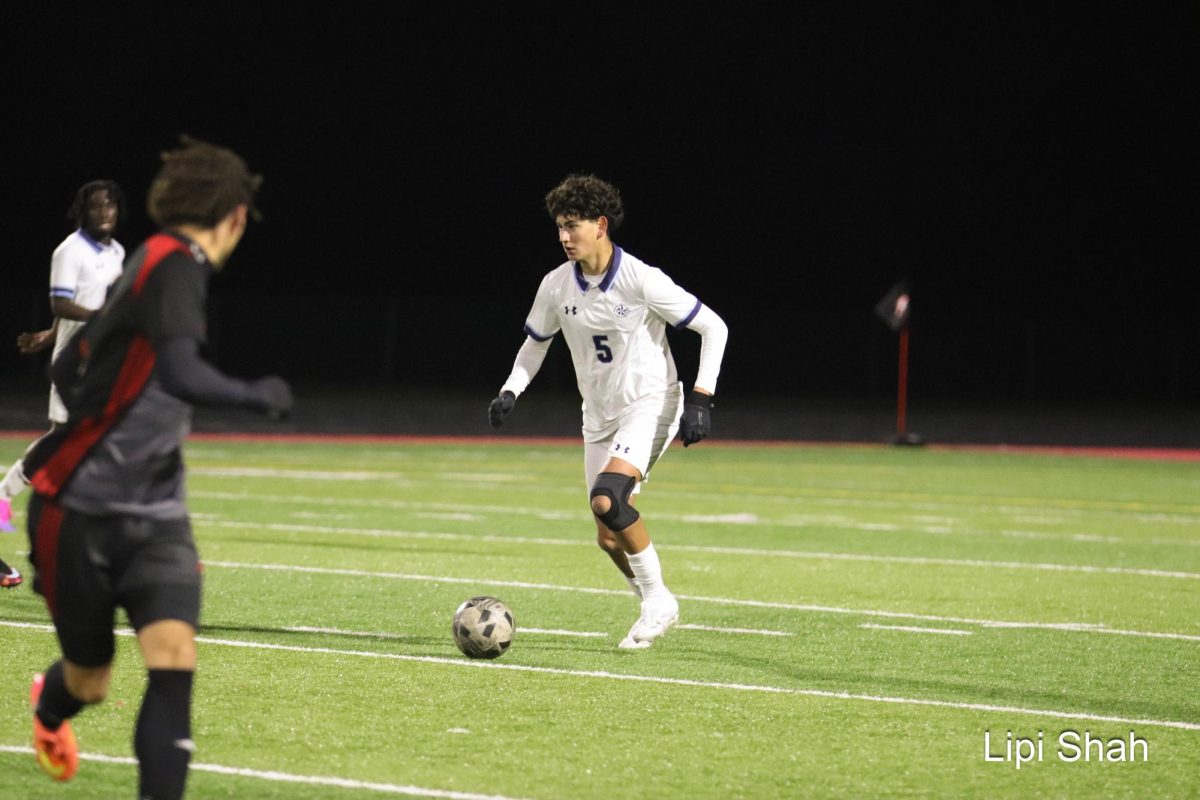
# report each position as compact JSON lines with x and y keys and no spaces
{"x":912,"y":629}
{"x":948,"y":562}
{"x":451,"y":515}
{"x":741,"y":551}
{"x":750,"y":631}
{"x":557,"y":632}
{"x":381,"y":635}
{"x":359,"y":502}
{"x":286,"y":777}
{"x":393,"y":533}
{"x":341,"y":632}
{"x":538,"y":631}
{"x":727,"y":601}
{"x":298,"y":474}
{"x":655,"y":679}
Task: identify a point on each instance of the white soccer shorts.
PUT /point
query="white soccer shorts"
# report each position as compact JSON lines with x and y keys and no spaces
{"x":641,"y":436}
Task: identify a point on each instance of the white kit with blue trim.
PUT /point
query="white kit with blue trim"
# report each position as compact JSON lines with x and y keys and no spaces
{"x":81,"y":270}
{"x":615,"y":326}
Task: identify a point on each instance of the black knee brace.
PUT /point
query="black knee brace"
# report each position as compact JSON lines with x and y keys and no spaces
{"x":617,"y":488}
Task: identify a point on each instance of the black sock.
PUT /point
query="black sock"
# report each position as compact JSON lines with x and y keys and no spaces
{"x":163,"y":738}
{"x":56,"y":704}
{"x":4,"y":567}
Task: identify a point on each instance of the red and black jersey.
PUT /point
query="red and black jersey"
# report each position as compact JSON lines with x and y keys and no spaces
{"x":106,"y":378}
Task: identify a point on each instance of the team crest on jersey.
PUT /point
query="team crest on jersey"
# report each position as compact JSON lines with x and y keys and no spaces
{"x":621,"y":310}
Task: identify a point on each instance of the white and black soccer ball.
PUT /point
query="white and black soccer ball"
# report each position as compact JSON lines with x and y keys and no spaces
{"x":483,"y":627}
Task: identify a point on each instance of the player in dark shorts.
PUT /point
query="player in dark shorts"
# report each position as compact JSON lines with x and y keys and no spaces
{"x":107,"y":521}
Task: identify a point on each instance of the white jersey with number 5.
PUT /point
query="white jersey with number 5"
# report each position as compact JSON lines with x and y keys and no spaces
{"x":616,"y":331}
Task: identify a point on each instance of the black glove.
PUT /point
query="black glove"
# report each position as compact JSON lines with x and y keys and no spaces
{"x":272,"y":395}
{"x":500,"y":408}
{"x":697,"y":417}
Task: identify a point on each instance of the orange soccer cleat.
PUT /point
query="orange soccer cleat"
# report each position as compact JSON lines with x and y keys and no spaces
{"x":57,"y":752}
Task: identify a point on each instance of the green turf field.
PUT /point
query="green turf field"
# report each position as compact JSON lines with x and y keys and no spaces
{"x":854,"y":621}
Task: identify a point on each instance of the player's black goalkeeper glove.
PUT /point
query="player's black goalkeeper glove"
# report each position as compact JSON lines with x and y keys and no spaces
{"x":500,"y":408}
{"x":697,"y":417}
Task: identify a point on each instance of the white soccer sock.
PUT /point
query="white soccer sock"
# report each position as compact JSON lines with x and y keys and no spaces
{"x":648,"y":573}
{"x":633,"y":584}
{"x":14,"y":482}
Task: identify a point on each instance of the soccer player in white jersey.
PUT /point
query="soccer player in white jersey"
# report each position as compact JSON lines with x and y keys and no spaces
{"x":613,"y":311}
{"x":81,"y":270}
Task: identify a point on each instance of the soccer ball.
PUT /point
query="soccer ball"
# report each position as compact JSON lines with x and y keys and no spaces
{"x":483,"y":627}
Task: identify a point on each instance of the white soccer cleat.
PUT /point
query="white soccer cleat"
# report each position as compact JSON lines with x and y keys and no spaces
{"x":656,"y":619}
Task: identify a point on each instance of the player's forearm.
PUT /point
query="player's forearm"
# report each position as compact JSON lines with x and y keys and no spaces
{"x":529,"y":361}
{"x":184,"y":374}
{"x":714,"y":333}
{"x":67,"y":309}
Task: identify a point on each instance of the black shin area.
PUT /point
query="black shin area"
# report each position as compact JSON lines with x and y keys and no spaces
{"x":163,"y":737}
{"x":56,"y":704}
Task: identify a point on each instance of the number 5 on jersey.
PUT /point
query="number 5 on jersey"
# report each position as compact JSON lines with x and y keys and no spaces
{"x":603,"y":351}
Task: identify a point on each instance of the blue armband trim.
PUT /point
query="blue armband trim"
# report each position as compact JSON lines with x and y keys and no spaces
{"x":690,"y":316}
{"x":537,"y":336}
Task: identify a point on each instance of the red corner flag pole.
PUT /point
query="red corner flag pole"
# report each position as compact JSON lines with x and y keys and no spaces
{"x":895,"y":310}
{"x":902,"y":391}
{"x":903,"y":437}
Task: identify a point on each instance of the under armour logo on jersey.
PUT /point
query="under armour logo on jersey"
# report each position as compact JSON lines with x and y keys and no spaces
{"x":573,"y":310}
{"x":621,"y":310}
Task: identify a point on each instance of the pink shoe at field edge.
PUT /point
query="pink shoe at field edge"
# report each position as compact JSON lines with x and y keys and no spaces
{"x":6,"y":525}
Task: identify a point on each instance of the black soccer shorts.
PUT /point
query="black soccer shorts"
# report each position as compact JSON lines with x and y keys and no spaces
{"x":86,"y":566}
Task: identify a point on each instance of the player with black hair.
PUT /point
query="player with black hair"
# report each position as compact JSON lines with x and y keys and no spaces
{"x":613,"y":310}
{"x":81,"y":207}
{"x":107,"y":523}
{"x":82,"y":268}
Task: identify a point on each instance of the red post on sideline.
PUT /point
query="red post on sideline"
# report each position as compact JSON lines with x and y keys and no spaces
{"x":902,"y":390}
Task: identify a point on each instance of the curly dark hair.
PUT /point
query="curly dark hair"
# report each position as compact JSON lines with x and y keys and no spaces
{"x":199,"y":184}
{"x":586,"y":197}
{"x":77,"y":213}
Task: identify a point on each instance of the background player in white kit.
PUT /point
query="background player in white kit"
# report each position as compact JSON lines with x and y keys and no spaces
{"x":613,"y":310}
{"x":81,"y":270}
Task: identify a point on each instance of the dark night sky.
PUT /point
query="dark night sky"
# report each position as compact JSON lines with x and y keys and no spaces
{"x":1032,"y":170}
